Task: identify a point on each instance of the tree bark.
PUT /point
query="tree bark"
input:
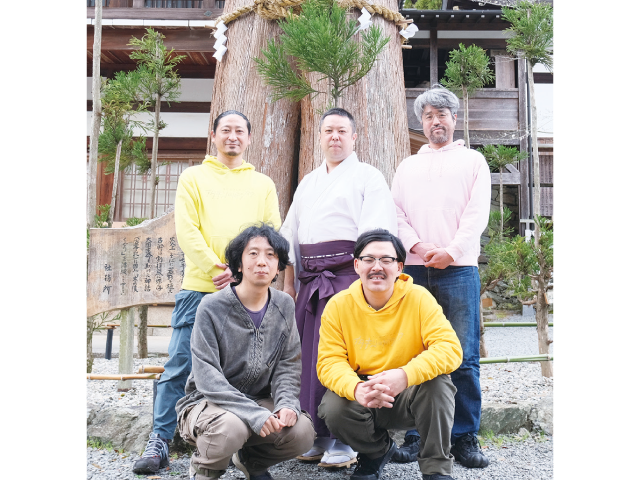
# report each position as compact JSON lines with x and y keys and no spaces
{"x":484,"y":353}
{"x":92,"y":171}
{"x":534,"y":151}
{"x":378,"y":105}
{"x":154,"y":158}
{"x":143,"y":351}
{"x":465,"y":101}
{"x":542,"y":319}
{"x":90,"y":330}
{"x":114,"y":190}
{"x":237,"y":86}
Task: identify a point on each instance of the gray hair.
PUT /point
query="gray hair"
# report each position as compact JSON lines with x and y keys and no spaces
{"x":437,"y":97}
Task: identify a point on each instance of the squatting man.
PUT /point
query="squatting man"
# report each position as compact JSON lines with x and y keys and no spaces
{"x":242,"y":394}
{"x":384,"y":354}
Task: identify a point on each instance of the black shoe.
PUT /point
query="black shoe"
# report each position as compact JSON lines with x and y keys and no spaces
{"x":467,"y":451}
{"x":155,"y":456}
{"x":240,"y":462}
{"x":371,"y":469}
{"x":436,"y":476}
{"x":408,"y":452}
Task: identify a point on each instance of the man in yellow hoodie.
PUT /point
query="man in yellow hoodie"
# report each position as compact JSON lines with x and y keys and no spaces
{"x":214,"y":202}
{"x":385,"y":349}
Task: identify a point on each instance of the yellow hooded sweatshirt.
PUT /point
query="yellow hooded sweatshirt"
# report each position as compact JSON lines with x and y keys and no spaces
{"x":409,"y":332}
{"x":213,"y":205}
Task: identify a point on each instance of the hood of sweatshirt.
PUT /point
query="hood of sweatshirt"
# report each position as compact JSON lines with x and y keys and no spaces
{"x":452,"y":146}
{"x":401,"y":288}
{"x":221,"y":168}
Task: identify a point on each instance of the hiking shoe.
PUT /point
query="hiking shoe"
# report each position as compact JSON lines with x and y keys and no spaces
{"x":371,"y":468}
{"x":155,"y":456}
{"x":467,"y":451}
{"x":436,"y":476}
{"x":408,"y":452}
{"x":239,"y":461}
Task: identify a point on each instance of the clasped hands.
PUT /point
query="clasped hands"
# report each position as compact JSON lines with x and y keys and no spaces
{"x":284,"y":417}
{"x":224,"y":279}
{"x":381,"y":389}
{"x":432,"y":255}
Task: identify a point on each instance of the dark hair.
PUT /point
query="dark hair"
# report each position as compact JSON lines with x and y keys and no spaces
{"x":380,"y":235}
{"x":236,"y":247}
{"x":342,"y":113}
{"x":230,"y":112}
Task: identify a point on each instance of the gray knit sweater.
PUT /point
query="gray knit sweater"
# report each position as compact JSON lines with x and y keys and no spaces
{"x":234,"y":363}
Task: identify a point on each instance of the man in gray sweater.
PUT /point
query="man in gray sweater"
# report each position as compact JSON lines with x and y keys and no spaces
{"x":242,"y":395}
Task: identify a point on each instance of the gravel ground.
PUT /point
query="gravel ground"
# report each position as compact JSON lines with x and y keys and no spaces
{"x":513,"y":457}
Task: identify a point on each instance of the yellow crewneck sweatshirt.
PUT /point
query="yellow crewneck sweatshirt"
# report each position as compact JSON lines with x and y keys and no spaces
{"x":213,"y":205}
{"x":409,"y":332}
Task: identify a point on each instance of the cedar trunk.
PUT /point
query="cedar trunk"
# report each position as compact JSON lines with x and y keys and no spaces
{"x":534,"y":151}
{"x":92,"y":172}
{"x":275,"y":127}
{"x":377,"y":103}
{"x":542,"y":319}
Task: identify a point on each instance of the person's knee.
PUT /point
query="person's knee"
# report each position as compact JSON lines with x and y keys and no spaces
{"x":331,"y":408}
{"x":224,"y":434}
{"x":300,"y":436}
{"x":438,"y":390}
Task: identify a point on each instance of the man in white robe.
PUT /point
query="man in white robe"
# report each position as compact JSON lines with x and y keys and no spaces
{"x":332,"y":206}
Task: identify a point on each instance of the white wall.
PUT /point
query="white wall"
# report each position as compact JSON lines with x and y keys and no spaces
{"x":178,"y":124}
{"x":544,"y":103}
{"x":192,"y":89}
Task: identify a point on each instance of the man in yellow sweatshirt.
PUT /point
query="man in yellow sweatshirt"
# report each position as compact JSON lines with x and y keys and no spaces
{"x":214,"y":202}
{"x":385,"y":349}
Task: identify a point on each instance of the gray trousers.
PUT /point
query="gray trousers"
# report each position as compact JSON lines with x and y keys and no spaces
{"x":218,"y":434}
{"x":429,"y":407}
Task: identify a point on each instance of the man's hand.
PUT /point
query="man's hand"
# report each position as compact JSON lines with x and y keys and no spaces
{"x":375,"y":396}
{"x":438,"y":258}
{"x":272,"y":425}
{"x":224,"y":279}
{"x":287,"y":416}
{"x":395,"y":379}
{"x":422,"y":248}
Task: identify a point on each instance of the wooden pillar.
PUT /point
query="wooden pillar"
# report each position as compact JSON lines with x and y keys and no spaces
{"x":125,"y":357}
{"x":237,"y":86}
{"x":433,"y":58}
{"x":378,"y":104}
{"x":523,"y":188}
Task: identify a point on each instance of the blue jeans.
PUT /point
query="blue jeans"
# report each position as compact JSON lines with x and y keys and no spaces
{"x":457,"y":290}
{"x":178,"y":367}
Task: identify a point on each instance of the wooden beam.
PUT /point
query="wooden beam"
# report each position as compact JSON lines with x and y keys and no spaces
{"x":183,"y":39}
{"x":175,"y":107}
{"x":108,"y":70}
{"x":542,"y":77}
{"x":433,"y":55}
{"x":157,"y":13}
{"x":507,"y":178}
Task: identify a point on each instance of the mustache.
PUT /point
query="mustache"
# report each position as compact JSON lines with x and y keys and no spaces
{"x":377,"y":274}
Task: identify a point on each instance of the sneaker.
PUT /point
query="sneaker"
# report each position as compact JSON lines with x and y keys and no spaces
{"x":371,"y":469}
{"x":155,"y":456}
{"x":239,"y":461}
{"x":436,"y":476}
{"x":467,"y":451}
{"x":408,"y":452}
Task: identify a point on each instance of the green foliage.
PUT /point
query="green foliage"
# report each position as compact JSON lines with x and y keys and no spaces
{"x":498,"y":157}
{"x":156,"y":68}
{"x":532,"y":30}
{"x":428,"y":5}
{"x":133,"y":221}
{"x":407,"y":4}
{"x":100,"y":220}
{"x":320,"y":39}
{"x":467,"y":68}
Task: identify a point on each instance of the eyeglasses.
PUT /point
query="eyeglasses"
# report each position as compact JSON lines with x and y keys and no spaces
{"x":429,"y":117}
{"x":369,"y":260}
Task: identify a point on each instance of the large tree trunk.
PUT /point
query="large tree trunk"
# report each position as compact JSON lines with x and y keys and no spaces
{"x":92,"y":171}
{"x":465,"y":101}
{"x":154,"y":159}
{"x":378,"y":105}
{"x":534,"y":150}
{"x":275,"y":127}
{"x":542,"y":319}
{"x":114,"y":190}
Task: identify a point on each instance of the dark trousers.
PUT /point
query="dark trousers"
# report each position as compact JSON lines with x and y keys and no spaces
{"x":429,"y":406}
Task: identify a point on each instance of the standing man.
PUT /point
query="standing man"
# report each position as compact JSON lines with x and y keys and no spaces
{"x":332,"y":206}
{"x":243,"y":402}
{"x":385,"y":349}
{"x":443,"y":196}
{"x":214,"y":201}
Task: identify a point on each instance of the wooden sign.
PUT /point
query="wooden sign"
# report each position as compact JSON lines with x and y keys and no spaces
{"x":128,"y":267}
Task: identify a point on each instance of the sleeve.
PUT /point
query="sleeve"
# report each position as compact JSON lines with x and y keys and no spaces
{"x":443,"y":352}
{"x":406,"y":232}
{"x":475,"y":217}
{"x":285,"y":382}
{"x":271,"y":208}
{"x":333,"y":368}
{"x":188,"y":232}
{"x":378,"y":209}
{"x":289,"y":231}
{"x":210,"y":380}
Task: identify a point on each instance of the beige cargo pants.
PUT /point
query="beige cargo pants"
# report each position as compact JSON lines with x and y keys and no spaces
{"x":218,"y":434}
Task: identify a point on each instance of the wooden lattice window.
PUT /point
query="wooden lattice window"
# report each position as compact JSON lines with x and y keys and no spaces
{"x":173,"y":4}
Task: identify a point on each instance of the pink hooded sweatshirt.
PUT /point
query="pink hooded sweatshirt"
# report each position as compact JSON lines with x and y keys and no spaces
{"x":443,"y":197}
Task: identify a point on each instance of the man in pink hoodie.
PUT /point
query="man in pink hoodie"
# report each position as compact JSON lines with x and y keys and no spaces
{"x":442,"y":196}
